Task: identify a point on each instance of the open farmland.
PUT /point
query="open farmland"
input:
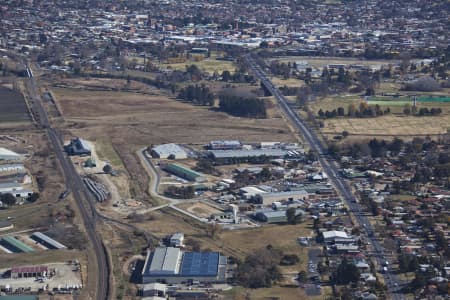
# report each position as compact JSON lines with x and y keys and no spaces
{"x":388,"y":126}
{"x":128,"y":121}
{"x":12,"y":106}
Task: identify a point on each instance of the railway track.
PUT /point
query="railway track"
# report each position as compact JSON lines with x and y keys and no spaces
{"x":82,"y":197}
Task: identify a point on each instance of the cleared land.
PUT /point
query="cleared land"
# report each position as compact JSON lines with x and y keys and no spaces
{"x":12,"y":106}
{"x":123,"y":122}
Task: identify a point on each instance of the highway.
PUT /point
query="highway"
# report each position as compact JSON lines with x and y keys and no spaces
{"x":331,"y":169}
{"x":83,"y":199}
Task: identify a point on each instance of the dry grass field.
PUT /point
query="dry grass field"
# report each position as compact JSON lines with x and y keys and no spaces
{"x":123,"y":122}
{"x":394,"y":124}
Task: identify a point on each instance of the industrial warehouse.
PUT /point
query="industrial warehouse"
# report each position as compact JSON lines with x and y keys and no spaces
{"x":168,"y":151}
{"x":174,"y":266}
{"x":184,"y":173}
{"x":47,"y":241}
{"x":13,"y":245}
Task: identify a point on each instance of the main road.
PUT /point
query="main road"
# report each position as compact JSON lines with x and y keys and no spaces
{"x":83,"y":199}
{"x":331,"y":169}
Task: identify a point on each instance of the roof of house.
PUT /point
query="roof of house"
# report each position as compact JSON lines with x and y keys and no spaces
{"x":334,"y":234}
{"x":29,"y":269}
{"x":165,"y":260}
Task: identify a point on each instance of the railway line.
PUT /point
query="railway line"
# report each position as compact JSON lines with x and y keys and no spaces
{"x":82,"y":197}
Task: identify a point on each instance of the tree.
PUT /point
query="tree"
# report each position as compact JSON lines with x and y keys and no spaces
{"x":8,"y":199}
{"x":33,"y":197}
{"x":291,"y":215}
{"x":352,"y":110}
{"x":346,"y":273}
{"x":424,"y":84}
{"x":264,"y":45}
{"x":107,"y":169}
{"x":260,"y":269}
{"x":302,"y":277}
{"x":407,"y":109}
{"x":214,"y":229}
{"x":226,"y":76}
{"x":289,"y":260}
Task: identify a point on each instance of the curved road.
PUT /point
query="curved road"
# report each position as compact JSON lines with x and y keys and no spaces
{"x":82,"y":197}
{"x":331,"y":170}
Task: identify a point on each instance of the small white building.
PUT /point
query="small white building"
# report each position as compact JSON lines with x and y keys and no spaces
{"x":176,"y":240}
{"x":334,"y":234}
{"x":166,"y":151}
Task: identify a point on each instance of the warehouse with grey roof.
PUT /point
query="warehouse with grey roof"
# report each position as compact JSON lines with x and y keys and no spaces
{"x":172,"y":265}
{"x":168,"y":151}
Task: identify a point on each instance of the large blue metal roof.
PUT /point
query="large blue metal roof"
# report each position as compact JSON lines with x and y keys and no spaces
{"x":199,"y":264}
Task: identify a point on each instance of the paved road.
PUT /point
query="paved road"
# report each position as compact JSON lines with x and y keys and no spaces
{"x":331,"y":169}
{"x":155,"y":180}
{"x":82,"y":197}
{"x":311,"y":288}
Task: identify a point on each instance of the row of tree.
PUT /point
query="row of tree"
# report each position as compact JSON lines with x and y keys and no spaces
{"x":242,"y":105}
{"x":423,"y":111}
{"x":184,"y":192}
{"x":365,"y":110}
{"x":198,"y":94}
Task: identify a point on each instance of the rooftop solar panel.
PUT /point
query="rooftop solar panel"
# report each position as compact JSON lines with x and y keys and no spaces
{"x":199,"y":264}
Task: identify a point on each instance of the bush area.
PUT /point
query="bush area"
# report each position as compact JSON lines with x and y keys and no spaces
{"x":242,"y":104}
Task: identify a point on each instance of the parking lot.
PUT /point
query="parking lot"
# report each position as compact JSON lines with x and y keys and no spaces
{"x":66,"y":276}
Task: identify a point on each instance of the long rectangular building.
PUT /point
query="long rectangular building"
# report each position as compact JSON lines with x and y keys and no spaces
{"x":244,"y":155}
{"x":14,"y":245}
{"x":47,"y":241}
{"x":184,"y":172}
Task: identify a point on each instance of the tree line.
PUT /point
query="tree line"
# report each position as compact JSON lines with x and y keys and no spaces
{"x":198,"y":94}
{"x":242,"y":105}
{"x":365,"y":110}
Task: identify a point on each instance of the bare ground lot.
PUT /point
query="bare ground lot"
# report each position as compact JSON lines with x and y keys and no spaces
{"x":199,"y":209}
{"x":12,"y":106}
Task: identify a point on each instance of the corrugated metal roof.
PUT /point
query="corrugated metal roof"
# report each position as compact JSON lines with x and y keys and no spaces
{"x":175,"y":168}
{"x":248,"y":153}
{"x":171,"y":260}
{"x":165,"y":261}
{"x":17,"y":244}
{"x":29,"y":269}
{"x":167,"y":149}
{"x":49,"y":240}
